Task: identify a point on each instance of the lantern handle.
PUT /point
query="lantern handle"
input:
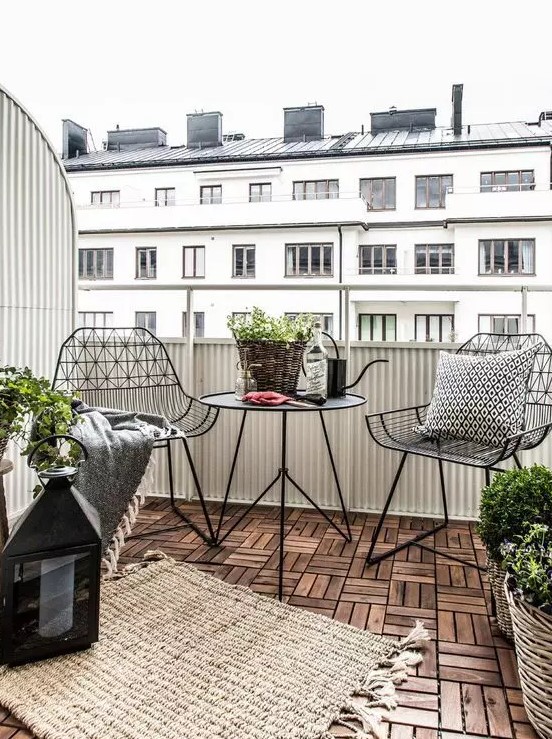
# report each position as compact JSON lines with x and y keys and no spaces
{"x":51,"y":438}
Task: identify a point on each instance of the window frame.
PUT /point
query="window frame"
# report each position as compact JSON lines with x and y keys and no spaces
{"x":428,"y":317}
{"x":167,"y":201}
{"x":443,"y":191}
{"x":199,"y":318}
{"x":210,"y":199}
{"x":384,"y":316}
{"x":384,"y":270}
{"x":309,"y":245}
{"x":146,"y":313}
{"x":246,"y":249}
{"x":326,"y":194}
{"x":494,"y":187}
{"x":517,"y":316}
{"x":428,"y":269}
{"x":107,"y":258}
{"x":104,"y":324}
{"x":195,"y":248}
{"x":261,"y":198}
{"x":326,"y":319}
{"x":149,"y":251}
{"x":101,"y":203}
{"x":385,"y":184}
{"x":506,"y":272}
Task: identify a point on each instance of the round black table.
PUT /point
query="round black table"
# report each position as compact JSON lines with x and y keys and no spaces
{"x":227,"y":401}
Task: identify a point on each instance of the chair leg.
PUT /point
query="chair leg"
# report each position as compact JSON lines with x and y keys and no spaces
{"x":369,"y":559}
{"x":517,"y":461}
{"x":211,"y":539}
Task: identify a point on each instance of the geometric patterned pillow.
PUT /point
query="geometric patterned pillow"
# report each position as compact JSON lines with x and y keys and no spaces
{"x":479,"y":398}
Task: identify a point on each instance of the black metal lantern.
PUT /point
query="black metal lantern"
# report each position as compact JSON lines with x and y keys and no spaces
{"x":51,"y":572}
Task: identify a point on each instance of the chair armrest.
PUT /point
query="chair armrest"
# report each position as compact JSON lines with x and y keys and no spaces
{"x":390,"y":426}
{"x":410,"y":410}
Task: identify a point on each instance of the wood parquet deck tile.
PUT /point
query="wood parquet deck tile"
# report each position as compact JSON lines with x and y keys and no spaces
{"x":467,"y":685}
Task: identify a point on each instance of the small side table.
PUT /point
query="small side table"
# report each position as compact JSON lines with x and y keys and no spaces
{"x":5,"y":467}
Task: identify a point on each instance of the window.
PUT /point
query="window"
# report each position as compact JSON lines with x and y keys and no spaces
{"x":316,"y":190}
{"x":96,"y":264}
{"x":376,"y":327}
{"x":433,"y":327}
{"x":517,"y":180}
{"x":326,"y":319}
{"x":243,"y":260}
{"x":193,"y":261}
{"x":308,"y":259}
{"x":209,"y":194}
{"x":261,"y":193}
{"x":379,"y":192}
{"x":165,"y":196}
{"x":91,"y":319}
{"x":199,"y":324}
{"x":507,"y":257}
{"x":146,"y":263}
{"x":105,"y":198}
{"x":431,"y":191}
{"x":434,"y":259}
{"x":499,"y":324}
{"x":146,"y":319}
{"x":377,"y":260}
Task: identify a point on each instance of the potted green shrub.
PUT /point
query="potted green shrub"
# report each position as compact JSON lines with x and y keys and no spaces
{"x":512,"y":499}
{"x":31,"y":410}
{"x":528,"y":558}
{"x":274,"y":346}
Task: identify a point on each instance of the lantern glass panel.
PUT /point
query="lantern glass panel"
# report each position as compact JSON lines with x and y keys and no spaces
{"x":51,"y":600}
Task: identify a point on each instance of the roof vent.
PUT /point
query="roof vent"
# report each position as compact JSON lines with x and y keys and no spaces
{"x":304,"y":124}
{"x":135,"y":138}
{"x":229,"y":137}
{"x":418,"y":119}
{"x":546,"y":115}
{"x":456,"y":122}
{"x":75,"y":140}
{"x":204,"y":130}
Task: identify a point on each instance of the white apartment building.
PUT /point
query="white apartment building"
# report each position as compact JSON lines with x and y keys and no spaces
{"x":433,"y":230}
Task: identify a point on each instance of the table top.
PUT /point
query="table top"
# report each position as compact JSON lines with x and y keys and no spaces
{"x":229,"y":401}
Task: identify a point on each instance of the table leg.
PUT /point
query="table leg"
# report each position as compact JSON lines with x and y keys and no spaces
{"x":283,"y":472}
{"x":231,"y":476}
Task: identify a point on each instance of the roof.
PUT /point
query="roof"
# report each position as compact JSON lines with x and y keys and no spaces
{"x":484,"y":136}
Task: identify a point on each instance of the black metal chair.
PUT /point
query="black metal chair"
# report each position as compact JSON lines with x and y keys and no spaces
{"x":397,"y":430}
{"x":129,"y":368}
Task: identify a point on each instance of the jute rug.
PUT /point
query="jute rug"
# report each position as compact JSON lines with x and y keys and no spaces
{"x":183,"y":655}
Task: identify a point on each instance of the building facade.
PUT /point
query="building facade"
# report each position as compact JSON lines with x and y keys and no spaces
{"x":433,"y":230}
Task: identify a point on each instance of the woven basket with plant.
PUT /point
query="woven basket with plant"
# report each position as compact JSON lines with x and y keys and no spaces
{"x":529,"y":591}
{"x":512,"y":499}
{"x":273,"y":347}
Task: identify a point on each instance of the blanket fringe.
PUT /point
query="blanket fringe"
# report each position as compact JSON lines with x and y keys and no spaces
{"x":124,"y":528}
{"x":363,"y":720}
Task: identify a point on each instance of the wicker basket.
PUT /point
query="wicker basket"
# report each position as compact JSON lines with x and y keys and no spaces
{"x":497,"y":577}
{"x":533,"y":639}
{"x":279,"y":363}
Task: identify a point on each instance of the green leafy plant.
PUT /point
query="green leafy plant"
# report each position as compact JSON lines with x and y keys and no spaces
{"x":528,"y":558}
{"x":259,"y":326}
{"x":30,"y":410}
{"x":513,"y":499}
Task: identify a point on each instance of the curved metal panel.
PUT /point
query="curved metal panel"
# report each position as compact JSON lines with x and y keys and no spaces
{"x":37,"y":259}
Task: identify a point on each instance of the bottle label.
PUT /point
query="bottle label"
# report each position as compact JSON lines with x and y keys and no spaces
{"x":317,"y":373}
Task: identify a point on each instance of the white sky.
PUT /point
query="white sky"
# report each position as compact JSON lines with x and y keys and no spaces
{"x":141,"y":64}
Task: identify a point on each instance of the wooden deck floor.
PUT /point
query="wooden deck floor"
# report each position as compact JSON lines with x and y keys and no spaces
{"x":467,"y":685}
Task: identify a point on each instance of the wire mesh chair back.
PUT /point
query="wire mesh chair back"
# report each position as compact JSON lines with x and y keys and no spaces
{"x":130,"y":369}
{"x":538,"y":399}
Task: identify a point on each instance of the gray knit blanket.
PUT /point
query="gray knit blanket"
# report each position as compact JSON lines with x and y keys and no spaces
{"x":119,"y":445}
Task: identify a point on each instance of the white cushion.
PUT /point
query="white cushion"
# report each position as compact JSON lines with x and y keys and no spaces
{"x":479,"y":398}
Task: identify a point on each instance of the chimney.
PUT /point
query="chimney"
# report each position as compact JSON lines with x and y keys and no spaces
{"x":456,"y":122}
{"x":204,"y":130}
{"x":75,"y":139}
{"x":124,"y":139}
{"x":304,"y":124}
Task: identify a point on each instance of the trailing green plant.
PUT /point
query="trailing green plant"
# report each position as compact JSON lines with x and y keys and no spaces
{"x":528,"y":559}
{"x":513,"y":499}
{"x":30,"y":410}
{"x":259,"y":326}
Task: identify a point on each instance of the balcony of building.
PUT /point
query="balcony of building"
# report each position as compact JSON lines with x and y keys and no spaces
{"x":132,"y":215}
{"x":499,"y":203}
